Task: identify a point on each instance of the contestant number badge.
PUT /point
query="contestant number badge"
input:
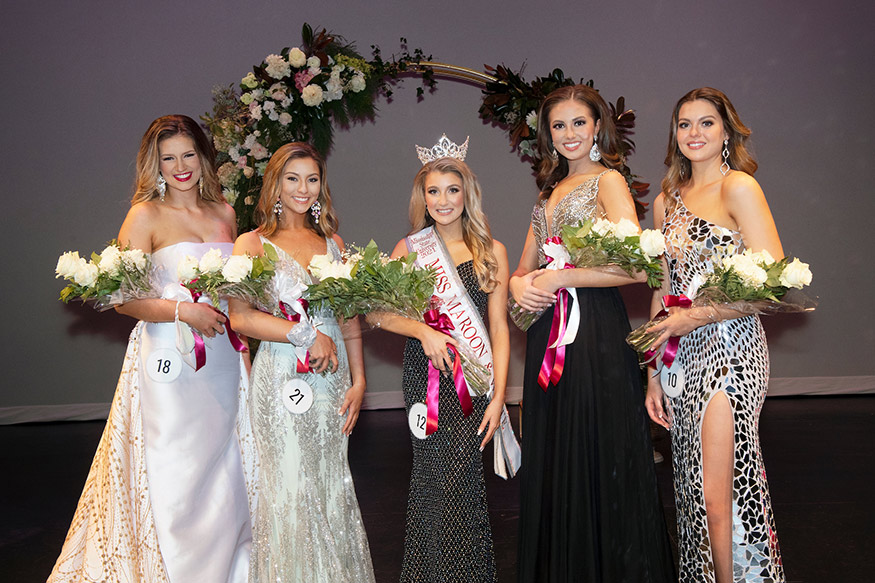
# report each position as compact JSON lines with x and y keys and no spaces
{"x":164,"y":365}
{"x":672,"y":379}
{"x":297,"y":396}
{"x":416,"y":419}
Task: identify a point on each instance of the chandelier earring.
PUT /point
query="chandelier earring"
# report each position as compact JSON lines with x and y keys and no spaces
{"x":278,"y":208}
{"x":594,"y":153}
{"x":316,"y":211}
{"x":554,"y":155}
{"x":161,"y":187}
{"x":724,"y":168}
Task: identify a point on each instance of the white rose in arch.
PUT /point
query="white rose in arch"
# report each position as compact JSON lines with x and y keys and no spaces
{"x":796,"y":274}
{"x":237,"y":268}
{"x":297,"y":58}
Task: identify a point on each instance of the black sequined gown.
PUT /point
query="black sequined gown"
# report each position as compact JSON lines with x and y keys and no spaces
{"x":589,"y":507}
{"x":448,"y":537}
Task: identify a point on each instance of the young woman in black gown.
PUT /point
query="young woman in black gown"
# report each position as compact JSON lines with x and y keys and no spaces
{"x":589,"y":508}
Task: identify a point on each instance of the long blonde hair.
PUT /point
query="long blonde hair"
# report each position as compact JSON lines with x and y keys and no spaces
{"x":271,"y":187}
{"x":475,"y":226}
{"x":679,"y":170}
{"x":148,"y":164}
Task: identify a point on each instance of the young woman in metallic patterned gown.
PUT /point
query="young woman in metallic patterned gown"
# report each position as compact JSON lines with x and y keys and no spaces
{"x":448,"y":537}
{"x":307,"y":524}
{"x":589,"y":508}
{"x":711,"y":207}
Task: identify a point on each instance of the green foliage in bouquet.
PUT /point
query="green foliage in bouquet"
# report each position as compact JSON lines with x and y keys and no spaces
{"x":375,"y":283}
{"x":115,"y":275}
{"x":242,"y":277}
{"x":590,"y":249}
{"x":727,"y":284}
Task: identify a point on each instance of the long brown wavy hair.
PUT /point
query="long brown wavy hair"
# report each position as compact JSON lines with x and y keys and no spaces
{"x":475,"y":226}
{"x":148,"y":163}
{"x":271,"y":188}
{"x":679,"y":170}
{"x":550,"y":171}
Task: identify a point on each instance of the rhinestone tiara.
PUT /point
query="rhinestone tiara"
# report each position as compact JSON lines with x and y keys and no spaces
{"x":443,"y":149}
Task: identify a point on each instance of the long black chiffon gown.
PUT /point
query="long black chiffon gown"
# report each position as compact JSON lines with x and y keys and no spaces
{"x":589,"y":507}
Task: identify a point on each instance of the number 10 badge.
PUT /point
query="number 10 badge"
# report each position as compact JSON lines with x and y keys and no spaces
{"x":297,"y":396}
{"x":672,"y":379}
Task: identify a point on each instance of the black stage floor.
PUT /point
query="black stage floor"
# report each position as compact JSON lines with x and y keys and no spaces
{"x":818,"y":452}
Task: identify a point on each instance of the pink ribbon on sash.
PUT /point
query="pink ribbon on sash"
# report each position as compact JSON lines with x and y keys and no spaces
{"x":554,"y":358}
{"x":200,"y":350}
{"x":285,"y":308}
{"x":441,"y":322}
{"x":671,"y":346}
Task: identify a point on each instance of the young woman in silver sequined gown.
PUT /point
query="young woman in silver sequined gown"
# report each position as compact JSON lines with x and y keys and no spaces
{"x":710,"y":208}
{"x":448,"y":537}
{"x":307,"y":524}
{"x":589,"y":507}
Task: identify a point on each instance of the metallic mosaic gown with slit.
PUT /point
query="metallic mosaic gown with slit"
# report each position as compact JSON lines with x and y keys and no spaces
{"x":307,"y":525}
{"x":589,"y":507}
{"x":731,"y":357}
{"x":448,"y":538}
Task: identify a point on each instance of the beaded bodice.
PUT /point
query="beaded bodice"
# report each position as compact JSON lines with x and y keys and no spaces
{"x":692,"y":244}
{"x":578,"y":205}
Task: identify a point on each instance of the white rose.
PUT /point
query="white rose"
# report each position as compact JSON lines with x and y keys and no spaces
{"x":318,"y":264}
{"x":312,"y":95}
{"x":110,"y":259}
{"x":85,"y":273}
{"x":67,"y":264}
{"x":277,"y":67}
{"x":763,"y":257}
{"x":357,"y":83}
{"x":186,"y":270}
{"x":297,"y":58}
{"x":314,"y":62}
{"x":338,"y":270}
{"x":750,"y":273}
{"x":796,"y":274}
{"x":211,"y":261}
{"x":134,"y":258}
{"x":285,"y":118}
{"x":603,"y":227}
{"x":652,"y":242}
{"x":625,"y":228}
{"x":532,"y":120}
{"x":237,"y":268}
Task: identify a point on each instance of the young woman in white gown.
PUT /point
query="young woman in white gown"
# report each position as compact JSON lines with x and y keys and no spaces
{"x":308,"y":526}
{"x":166,"y":497}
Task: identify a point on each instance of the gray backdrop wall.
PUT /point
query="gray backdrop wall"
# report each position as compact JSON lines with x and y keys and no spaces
{"x":83,"y":80}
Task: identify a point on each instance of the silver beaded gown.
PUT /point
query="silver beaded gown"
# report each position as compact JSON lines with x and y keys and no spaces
{"x":448,"y":538}
{"x":307,"y":525}
{"x":731,"y":357}
{"x":589,"y":507}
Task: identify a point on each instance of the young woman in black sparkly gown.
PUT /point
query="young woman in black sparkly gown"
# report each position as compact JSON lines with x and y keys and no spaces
{"x":448,"y":536}
{"x":589,"y":508}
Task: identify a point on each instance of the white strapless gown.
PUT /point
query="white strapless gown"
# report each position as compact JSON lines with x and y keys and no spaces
{"x":166,"y":498}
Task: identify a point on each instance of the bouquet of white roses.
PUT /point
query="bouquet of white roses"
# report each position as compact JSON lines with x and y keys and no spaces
{"x":115,"y":276}
{"x":365,"y":280}
{"x":749,"y":283}
{"x":239,"y":276}
{"x":613,"y":247}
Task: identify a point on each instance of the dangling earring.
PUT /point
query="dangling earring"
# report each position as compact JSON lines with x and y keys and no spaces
{"x":278,"y":208}
{"x":161,"y":187}
{"x":200,"y":185}
{"x":554,"y":154}
{"x":316,"y":211}
{"x":594,"y":153}
{"x":724,"y":168}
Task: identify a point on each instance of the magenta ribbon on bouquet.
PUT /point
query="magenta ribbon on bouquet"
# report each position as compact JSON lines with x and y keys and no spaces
{"x":554,"y":358}
{"x":671,"y":346}
{"x":441,"y":322}
{"x":200,"y":351}
{"x":292,"y":316}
